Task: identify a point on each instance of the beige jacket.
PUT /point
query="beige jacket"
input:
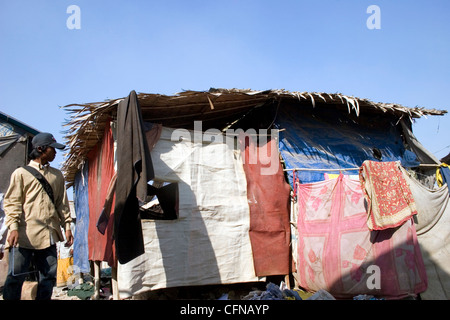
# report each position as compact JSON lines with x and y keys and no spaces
{"x":29,"y":209}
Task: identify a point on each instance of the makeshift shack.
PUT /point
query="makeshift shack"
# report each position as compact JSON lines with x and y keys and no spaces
{"x":232,"y":186}
{"x":15,"y":145}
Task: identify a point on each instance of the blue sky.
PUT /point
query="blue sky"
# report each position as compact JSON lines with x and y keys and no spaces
{"x":169,"y":46}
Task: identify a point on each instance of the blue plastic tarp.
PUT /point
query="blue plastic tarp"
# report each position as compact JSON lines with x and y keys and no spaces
{"x":81,"y":203}
{"x":328,"y":140}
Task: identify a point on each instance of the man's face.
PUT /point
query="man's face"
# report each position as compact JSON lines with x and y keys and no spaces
{"x":48,"y":155}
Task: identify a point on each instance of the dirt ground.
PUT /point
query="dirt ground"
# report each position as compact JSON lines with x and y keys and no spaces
{"x":232,"y":292}
{"x":29,"y":293}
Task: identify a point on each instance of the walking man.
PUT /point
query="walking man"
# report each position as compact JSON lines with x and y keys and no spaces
{"x":35,"y":214}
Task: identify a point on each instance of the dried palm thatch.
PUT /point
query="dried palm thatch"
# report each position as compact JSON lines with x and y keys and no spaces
{"x":215,"y":108}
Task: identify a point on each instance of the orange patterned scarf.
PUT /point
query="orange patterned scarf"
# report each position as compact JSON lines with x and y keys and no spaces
{"x":389,"y":198}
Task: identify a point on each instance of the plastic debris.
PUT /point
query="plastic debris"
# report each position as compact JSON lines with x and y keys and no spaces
{"x":273,"y":292}
{"x":83,"y":291}
{"x":223,"y":297}
{"x":366,"y":297}
{"x":321,"y":295}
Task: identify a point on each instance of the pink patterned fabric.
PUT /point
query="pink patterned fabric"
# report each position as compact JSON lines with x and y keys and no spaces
{"x":338,"y":253}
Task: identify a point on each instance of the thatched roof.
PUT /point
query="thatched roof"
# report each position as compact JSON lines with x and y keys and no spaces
{"x":215,"y":108}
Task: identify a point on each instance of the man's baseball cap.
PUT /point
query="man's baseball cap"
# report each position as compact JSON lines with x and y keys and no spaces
{"x":46,"y":139}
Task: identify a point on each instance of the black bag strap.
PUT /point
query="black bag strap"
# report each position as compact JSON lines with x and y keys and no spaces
{"x":47,"y":187}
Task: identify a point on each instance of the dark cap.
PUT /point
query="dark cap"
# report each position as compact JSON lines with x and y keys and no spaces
{"x":46,"y":139}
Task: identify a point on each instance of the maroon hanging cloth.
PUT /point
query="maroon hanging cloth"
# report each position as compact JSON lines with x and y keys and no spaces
{"x":101,"y":171}
{"x":268,"y":197}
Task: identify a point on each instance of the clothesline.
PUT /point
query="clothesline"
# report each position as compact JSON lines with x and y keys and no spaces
{"x":346,"y":169}
{"x":316,"y":169}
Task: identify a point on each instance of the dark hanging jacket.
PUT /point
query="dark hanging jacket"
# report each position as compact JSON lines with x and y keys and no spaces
{"x":134,"y":170}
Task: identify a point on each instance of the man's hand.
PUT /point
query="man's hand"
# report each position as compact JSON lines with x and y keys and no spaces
{"x":13,"y":238}
{"x":69,"y":238}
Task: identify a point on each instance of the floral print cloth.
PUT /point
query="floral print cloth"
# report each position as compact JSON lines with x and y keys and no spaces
{"x":338,"y":253}
{"x":389,"y":198}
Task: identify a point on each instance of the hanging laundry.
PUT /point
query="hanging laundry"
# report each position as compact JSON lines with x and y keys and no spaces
{"x":268,"y":201}
{"x":389,"y":198}
{"x":134,"y":170}
{"x":339,"y":254}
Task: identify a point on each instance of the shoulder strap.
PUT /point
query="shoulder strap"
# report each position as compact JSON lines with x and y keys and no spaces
{"x":47,"y":187}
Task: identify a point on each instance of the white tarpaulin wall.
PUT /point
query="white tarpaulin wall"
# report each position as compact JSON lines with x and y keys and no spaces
{"x":209,"y":243}
{"x":433,"y":221}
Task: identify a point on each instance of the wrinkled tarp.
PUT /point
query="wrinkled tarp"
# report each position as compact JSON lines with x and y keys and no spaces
{"x":433,"y":233}
{"x":325,"y":140}
{"x":101,"y":171}
{"x":7,"y":141}
{"x":268,"y":198}
{"x":209,"y":242}
{"x":338,"y":253}
{"x":134,"y":170}
{"x":423,"y":155}
{"x":6,"y":129}
{"x":9,"y":135}
{"x":81,"y":203}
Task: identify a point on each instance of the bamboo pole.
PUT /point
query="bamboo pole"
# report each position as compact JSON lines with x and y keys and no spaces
{"x":317,"y":169}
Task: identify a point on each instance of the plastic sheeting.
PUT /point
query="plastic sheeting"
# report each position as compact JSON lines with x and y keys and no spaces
{"x":325,"y":140}
{"x":81,"y":203}
{"x":432,"y":224}
{"x":209,"y":243}
{"x":422,"y":154}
